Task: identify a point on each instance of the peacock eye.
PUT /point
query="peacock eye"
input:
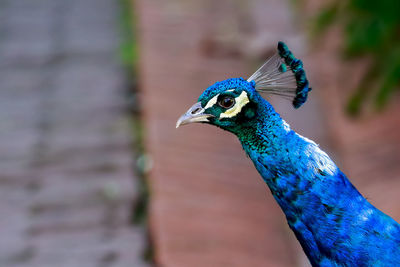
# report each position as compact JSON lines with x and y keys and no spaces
{"x":227,"y":102}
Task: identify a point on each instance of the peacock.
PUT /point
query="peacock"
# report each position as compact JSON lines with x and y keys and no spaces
{"x":334,"y":223}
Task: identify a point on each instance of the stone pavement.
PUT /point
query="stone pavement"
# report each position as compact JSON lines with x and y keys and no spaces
{"x":66,"y":181}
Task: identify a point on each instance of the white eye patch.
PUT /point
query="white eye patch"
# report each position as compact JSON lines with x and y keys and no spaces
{"x":241,"y":101}
{"x":212,"y":102}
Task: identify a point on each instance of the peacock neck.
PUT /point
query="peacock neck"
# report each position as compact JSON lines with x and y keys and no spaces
{"x":305,"y":182}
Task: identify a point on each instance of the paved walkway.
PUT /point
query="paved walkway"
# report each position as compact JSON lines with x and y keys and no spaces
{"x":66,"y":185}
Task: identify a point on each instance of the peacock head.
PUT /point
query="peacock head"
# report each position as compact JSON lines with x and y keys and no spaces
{"x":236,"y":103}
{"x":227,"y":104}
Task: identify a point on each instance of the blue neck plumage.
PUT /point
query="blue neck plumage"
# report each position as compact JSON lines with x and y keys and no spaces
{"x":305,"y":182}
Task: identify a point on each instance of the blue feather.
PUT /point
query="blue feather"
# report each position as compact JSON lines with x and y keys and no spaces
{"x":334,"y":223}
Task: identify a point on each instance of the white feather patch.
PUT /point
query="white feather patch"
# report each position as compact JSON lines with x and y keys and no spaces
{"x":211,"y":102}
{"x":320,"y":161}
{"x":241,"y":101}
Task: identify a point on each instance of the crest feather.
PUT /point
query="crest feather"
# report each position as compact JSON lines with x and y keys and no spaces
{"x":282,"y":75}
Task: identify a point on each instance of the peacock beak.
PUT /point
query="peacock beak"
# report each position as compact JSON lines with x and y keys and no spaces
{"x":194,"y":114}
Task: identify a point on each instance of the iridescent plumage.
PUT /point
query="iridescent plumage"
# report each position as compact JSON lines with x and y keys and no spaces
{"x":333,"y":222}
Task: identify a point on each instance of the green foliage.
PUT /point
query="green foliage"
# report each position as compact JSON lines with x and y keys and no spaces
{"x":372,"y":29}
{"x":325,"y":18}
{"x":128,"y":50}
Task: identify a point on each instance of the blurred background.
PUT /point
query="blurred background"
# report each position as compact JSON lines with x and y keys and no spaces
{"x":92,"y":169}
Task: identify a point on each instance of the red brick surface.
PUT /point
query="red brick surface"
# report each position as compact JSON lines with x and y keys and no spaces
{"x":209,"y":207}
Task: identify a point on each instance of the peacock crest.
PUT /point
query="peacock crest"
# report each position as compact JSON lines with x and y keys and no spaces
{"x":283,"y":75}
